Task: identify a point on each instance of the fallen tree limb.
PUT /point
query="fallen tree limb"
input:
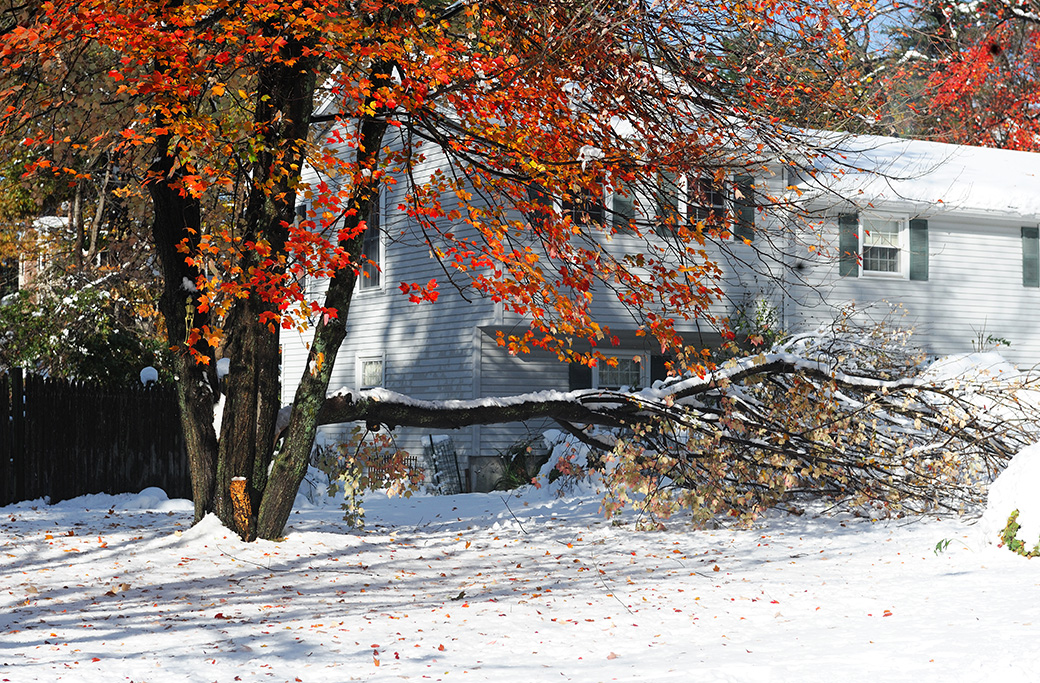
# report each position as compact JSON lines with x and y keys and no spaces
{"x":809,"y":422}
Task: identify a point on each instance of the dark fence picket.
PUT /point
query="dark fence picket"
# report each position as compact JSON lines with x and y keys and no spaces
{"x":33,"y":441}
{"x":7,"y":474}
{"x":63,"y":439}
{"x":18,"y":434}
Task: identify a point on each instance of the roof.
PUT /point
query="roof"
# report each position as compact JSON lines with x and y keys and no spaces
{"x":930,"y":177}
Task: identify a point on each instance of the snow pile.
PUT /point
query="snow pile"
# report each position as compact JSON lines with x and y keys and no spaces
{"x":566,"y":472}
{"x":153,"y":499}
{"x":973,"y":367}
{"x":1017,"y":488}
{"x":149,"y":375}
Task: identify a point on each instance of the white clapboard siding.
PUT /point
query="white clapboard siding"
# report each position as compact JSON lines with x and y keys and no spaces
{"x":427,"y":349}
{"x":974,"y":290}
{"x":502,"y":374}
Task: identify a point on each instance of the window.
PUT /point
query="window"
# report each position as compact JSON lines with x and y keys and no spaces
{"x":632,"y":371}
{"x":882,"y":252}
{"x":708,"y":202}
{"x":629,"y":372}
{"x":1030,"y":257}
{"x":584,"y":207}
{"x":726,"y":206}
{"x":719,"y":206}
{"x":372,"y":248}
{"x":882,"y":246}
{"x":369,"y":372}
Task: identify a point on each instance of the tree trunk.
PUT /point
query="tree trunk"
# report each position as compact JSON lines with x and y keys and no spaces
{"x":290,"y":463}
{"x":177,"y":218}
{"x":76,"y":223}
{"x":99,"y":215}
{"x":284,"y":105}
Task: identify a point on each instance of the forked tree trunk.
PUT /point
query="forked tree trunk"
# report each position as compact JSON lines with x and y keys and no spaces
{"x":250,"y":410}
{"x":284,"y":106}
{"x":290,"y":463}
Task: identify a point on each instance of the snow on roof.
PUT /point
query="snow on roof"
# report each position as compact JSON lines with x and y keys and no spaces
{"x":872,"y":170}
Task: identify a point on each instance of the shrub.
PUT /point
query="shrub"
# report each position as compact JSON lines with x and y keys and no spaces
{"x":1009,"y":538}
{"x":367,"y":461}
{"x":521,"y":464}
{"x":85,"y":334}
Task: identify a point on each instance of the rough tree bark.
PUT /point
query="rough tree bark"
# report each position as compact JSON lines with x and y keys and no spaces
{"x":285,"y":97}
{"x":290,"y":463}
{"x":177,"y":218}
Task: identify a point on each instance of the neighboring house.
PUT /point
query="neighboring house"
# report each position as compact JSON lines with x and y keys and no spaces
{"x":31,"y":271}
{"x":949,"y":232}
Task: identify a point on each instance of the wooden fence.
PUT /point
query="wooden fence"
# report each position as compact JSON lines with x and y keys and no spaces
{"x":63,"y":439}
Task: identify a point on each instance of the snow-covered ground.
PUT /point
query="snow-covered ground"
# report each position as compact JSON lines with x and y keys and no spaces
{"x":497,"y":587}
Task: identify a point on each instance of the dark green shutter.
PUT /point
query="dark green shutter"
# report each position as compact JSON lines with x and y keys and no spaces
{"x":1030,"y":257}
{"x":624,"y":211}
{"x":744,"y":208}
{"x":848,"y":245}
{"x":658,"y":369}
{"x":668,"y":200}
{"x":918,"y":249}
{"x":579,"y":376}
{"x":541,"y":202}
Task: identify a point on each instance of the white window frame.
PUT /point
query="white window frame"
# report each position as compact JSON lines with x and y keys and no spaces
{"x":561,"y":208}
{"x":359,"y":374}
{"x":903,"y":221}
{"x":364,"y":284}
{"x":644,"y":367}
{"x":687,"y":206}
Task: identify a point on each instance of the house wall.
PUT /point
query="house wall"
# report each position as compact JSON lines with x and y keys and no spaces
{"x":448,"y":349}
{"x":503,"y":374}
{"x":974,"y":289}
{"x":428,"y":350}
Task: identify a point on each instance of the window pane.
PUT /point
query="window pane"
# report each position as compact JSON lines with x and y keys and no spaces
{"x":370,"y":248}
{"x":709,"y":202}
{"x":371,"y":373}
{"x":627,"y":373}
{"x":584,"y":208}
{"x":880,"y":245}
{"x":881,"y":259}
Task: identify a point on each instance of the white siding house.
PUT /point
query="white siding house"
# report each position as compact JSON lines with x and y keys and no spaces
{"x":949,"y":233}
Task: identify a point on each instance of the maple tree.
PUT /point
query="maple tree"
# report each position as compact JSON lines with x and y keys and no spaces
{"x":970,"y":72}
{"x":212,"y":109}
